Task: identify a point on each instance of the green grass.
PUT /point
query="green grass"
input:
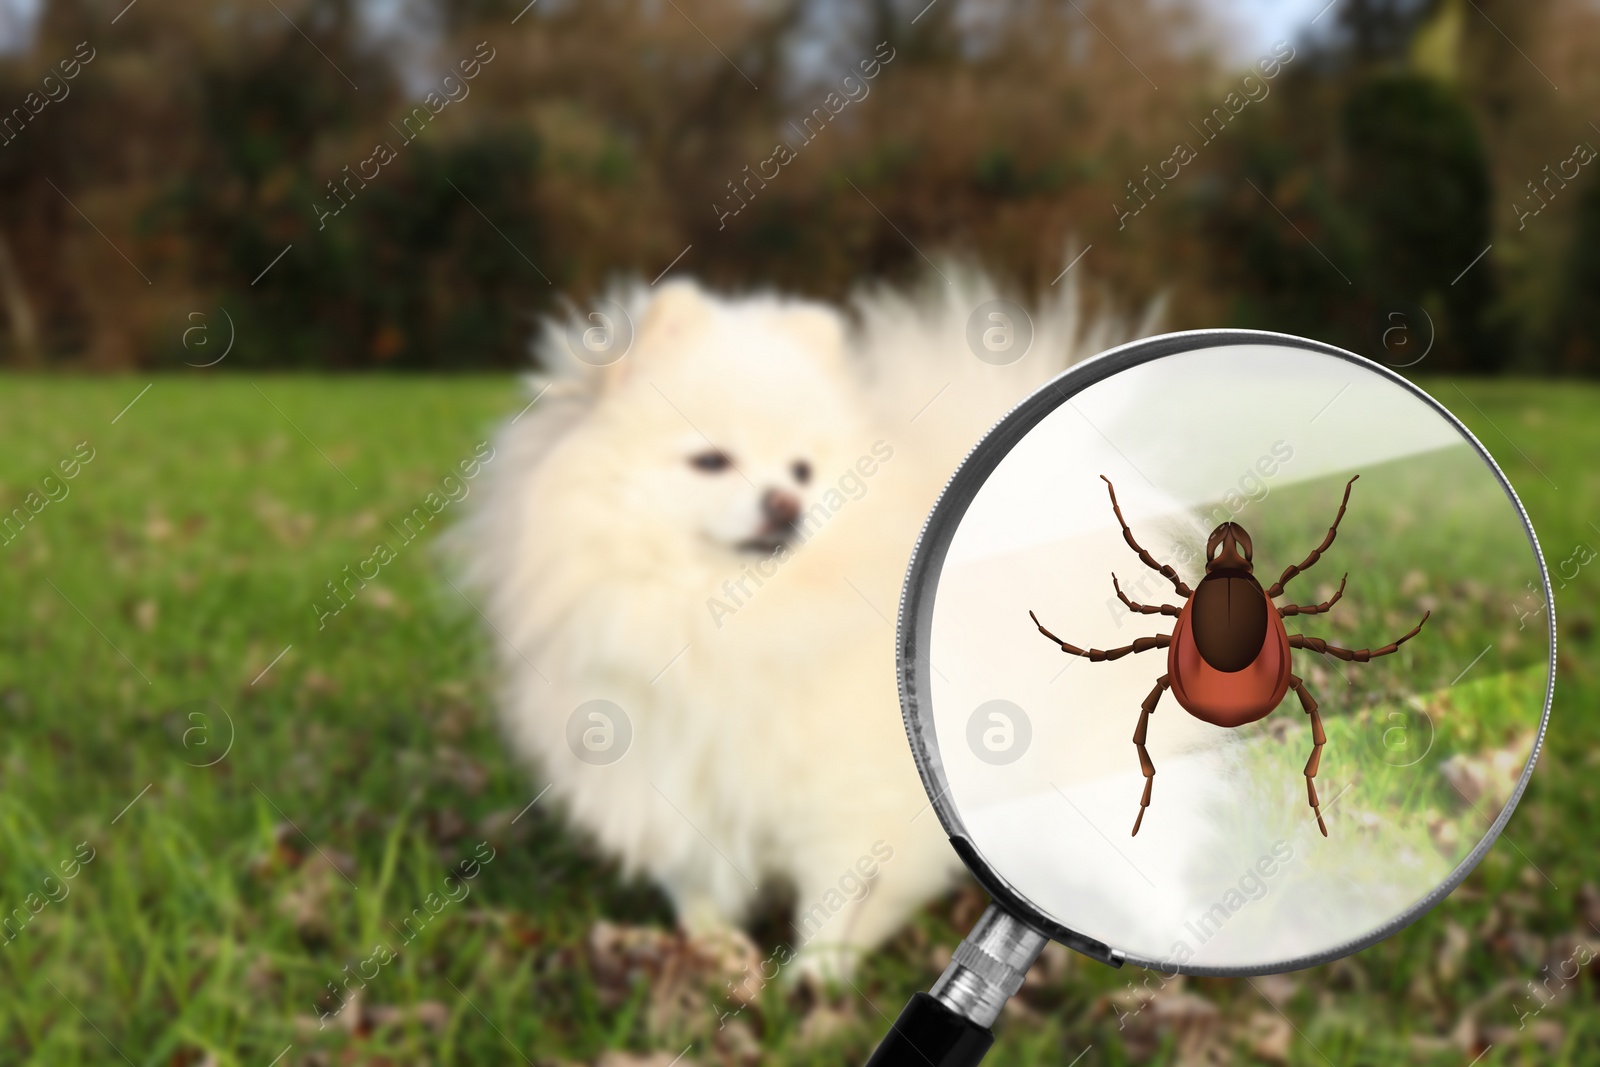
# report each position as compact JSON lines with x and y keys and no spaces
{"x":365,"y":765}
{"x":1429,"y":534}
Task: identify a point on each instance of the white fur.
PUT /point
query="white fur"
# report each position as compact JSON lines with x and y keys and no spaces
{"x":767,"y":738}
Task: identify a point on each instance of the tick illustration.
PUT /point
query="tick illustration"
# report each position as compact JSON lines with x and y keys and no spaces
{"x":1228,"y":655}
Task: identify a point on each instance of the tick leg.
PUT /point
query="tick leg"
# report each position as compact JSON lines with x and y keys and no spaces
{"x":1357,"y":655}
{"x":1145,"y":765}
{"x":1144,"y":609}
{"x":1140,"y":644}
{"x":1316,"y":553}
{"x":1318,"y":739}
{"x":1146,"y":558}
{"x":1314,"y":609}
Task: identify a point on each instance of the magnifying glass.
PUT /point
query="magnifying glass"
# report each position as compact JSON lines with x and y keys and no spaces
{"x":1224,"y":653}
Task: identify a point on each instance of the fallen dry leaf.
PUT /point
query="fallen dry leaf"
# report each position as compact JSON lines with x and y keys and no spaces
{"x":1269,"y":1035}
{"x":304,"y":899}
{"x":1148,"y":1014}
{"x":1447,"y":965}
{"x":1589,"y":906}
{"x":825,"y":1022}
{"x":380,"y":597}
{"x":429,"y":1013}
{"x":736,"y":1043}
{"x":1545,"y":1032}
{"x":453,"y":765}
{"x":319,"y":684}
{"x":1279,"y":989}
{"x":1487,"y":779}
{"x":686,"y":976}
{"x":1426,"y":1046}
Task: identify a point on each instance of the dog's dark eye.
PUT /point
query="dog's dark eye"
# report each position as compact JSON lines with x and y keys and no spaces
{"x":711,"y":462}
{"x":801,"y":471}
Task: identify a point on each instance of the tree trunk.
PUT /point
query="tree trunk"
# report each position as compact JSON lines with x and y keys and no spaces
{"x":19,"y":312}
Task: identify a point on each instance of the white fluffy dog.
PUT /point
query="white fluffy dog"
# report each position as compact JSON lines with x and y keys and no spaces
{"x":692,"y":560}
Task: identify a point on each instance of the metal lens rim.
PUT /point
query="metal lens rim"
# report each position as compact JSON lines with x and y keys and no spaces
{"x":917,"y":597}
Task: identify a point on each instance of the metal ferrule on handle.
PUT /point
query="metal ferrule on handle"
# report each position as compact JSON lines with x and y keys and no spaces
{"x":949,"y":1027}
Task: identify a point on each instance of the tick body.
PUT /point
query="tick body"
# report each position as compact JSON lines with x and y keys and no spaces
{"x":1228,"y":656}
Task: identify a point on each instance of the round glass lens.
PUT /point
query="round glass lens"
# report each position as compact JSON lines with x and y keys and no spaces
{"x":1276,"y":715}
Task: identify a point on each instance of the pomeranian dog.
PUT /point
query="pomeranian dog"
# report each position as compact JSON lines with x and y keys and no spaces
{"x":691,"y":558}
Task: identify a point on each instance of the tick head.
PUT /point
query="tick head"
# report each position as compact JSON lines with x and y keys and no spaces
{"x":1229,"y":548}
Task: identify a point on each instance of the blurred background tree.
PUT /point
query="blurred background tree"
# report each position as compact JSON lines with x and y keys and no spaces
{"x":606,"y":138}
{"x":1374,"y":154}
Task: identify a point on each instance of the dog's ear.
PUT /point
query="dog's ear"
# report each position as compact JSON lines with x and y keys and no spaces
{"x":674,"y":312}
{"x":820,"y":330}
{"x":655,"y":328}
{"x":671,"y":314}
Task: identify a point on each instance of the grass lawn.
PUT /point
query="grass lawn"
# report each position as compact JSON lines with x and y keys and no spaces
{"x":162,"y":616}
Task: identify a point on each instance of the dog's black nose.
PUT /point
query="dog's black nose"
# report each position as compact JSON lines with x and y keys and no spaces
{"x":779,"y":507}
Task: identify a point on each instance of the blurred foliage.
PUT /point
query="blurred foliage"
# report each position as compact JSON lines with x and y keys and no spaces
{"x":1398,"y":210}
{"x":607,"y":138}
{"x":1576,"y":338}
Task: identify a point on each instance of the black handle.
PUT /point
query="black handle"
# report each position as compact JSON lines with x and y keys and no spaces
{"x":928,"y":1034}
